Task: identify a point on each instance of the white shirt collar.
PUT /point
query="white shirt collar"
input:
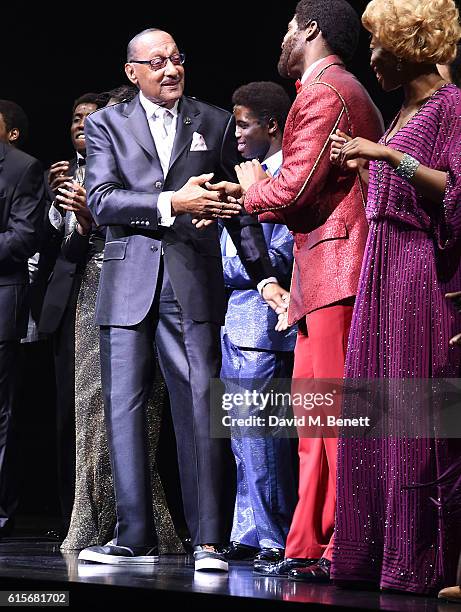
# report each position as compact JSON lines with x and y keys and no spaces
{"x":273,"y":162}
{"x":151,"y":108}
{"x":79,"y":157}
{"x":311,"y":69}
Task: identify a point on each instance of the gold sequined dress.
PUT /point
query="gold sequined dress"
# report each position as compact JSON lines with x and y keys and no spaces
{"x":93,"y":515}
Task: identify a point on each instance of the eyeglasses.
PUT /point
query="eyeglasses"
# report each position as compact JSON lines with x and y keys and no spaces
{"x":157,"y":63}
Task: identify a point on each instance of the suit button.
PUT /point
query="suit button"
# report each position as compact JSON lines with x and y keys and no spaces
{"x":137,"y":222}
{"x":154,"y":248}
{"x":146,"y":223}
{"x":158,"y":184}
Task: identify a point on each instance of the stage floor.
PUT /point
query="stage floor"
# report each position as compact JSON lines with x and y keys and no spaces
{"x":29,"y":564}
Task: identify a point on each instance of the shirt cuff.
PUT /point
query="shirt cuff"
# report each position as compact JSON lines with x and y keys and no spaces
{"x":165,"y":218}
{"x":260,"y":286}
{"x":55,"y":217}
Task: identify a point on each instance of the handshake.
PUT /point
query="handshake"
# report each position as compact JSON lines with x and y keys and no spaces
{"x":207,"y":202}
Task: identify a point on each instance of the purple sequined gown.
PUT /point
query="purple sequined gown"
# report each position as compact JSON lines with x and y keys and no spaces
{"x":393,"y":537}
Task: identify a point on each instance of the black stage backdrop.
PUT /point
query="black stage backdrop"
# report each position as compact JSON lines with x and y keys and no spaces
{"x":51,"y":56}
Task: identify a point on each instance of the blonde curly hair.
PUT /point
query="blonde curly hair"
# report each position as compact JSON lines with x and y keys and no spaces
{"x":420,"y":31}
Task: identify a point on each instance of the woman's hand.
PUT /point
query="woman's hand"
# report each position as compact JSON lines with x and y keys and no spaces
{"x":58,"y":175}
{"x":362,"y":150}
{"x":455,"y":298}
{"x":353,"y":153}
{"x":72,"y":197}
{"x":338,"y":140}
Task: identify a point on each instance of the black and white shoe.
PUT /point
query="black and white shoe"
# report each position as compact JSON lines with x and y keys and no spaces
{"x":208,"y":559}
{"x":119,"y":555}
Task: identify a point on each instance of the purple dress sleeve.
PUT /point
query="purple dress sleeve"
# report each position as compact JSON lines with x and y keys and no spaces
{"x":449,"y":230}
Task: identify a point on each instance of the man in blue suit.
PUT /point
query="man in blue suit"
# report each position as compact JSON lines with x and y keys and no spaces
{"x":148,"y":162}
{"x":253,"y":351}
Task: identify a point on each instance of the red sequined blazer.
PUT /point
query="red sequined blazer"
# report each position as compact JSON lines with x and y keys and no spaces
{"x":321,"y":204}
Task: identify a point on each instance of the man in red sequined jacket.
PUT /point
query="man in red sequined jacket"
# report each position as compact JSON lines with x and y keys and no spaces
{"x":323,"y":206}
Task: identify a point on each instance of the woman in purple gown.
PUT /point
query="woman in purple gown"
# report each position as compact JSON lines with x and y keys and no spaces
{"x":388,"y":532}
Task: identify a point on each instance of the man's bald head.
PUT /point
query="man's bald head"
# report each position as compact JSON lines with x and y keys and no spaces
{"x":134,"y":43}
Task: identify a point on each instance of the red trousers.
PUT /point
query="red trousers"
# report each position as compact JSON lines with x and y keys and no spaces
{"x":319,"y":353}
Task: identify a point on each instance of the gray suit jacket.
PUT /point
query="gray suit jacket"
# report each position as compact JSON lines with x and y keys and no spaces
{"x":124,"y":179}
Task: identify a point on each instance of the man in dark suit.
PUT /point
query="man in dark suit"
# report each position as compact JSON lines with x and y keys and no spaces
{"x":57,"y":316}
{"x":162,"y":280}
{"x":21,"y":213}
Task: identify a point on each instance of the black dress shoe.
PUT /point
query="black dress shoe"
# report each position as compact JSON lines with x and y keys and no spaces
{"x":319,"y":572}
{"x":120,"y":555}
{"x":7,"y":529}
{"x":209,"y":559}
{"x":270,"y":555}
{"x":240,"y":552}
{"x":282,"y":568}
{"x":187,"y":545}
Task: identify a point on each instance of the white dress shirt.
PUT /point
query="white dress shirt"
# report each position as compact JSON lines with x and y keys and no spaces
{"x":311,"y":69}
{"x":164,"y":146}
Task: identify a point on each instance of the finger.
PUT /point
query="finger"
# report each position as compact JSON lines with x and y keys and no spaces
{"x":221,"y":186}
{"x":224,"y":207}
{"x":453,"y":296}
{"x":210,"y":187}
{"x":63,"y":200}
{"x":74,"y":185}
{"x":281,"y":309}
{"x":60,"y":179}
{"x":230,"y":211}
{"x":456,"y":340}
{"x":67,"y":192}
{"x":201,"y":179}
{"x":68,"y":207}
{"x":225,"y":214}
{"x":210,"y":198}
{"x":58,"y":169}
{"x":62,"y":162}
{"x":282,"y":323}
{"x":205,"y":223}
{"x":342,"y":134}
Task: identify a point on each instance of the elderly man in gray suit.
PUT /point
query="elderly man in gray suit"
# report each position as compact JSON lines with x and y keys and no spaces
{"x":148,"y":164}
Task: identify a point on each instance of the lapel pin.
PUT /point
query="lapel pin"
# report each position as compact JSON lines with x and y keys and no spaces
{"x":187,"y":120}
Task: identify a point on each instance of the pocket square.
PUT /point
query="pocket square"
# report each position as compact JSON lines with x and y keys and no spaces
{"x":198,"y":143}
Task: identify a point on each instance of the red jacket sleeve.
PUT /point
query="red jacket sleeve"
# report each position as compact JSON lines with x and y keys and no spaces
{"x":316,"y":113}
